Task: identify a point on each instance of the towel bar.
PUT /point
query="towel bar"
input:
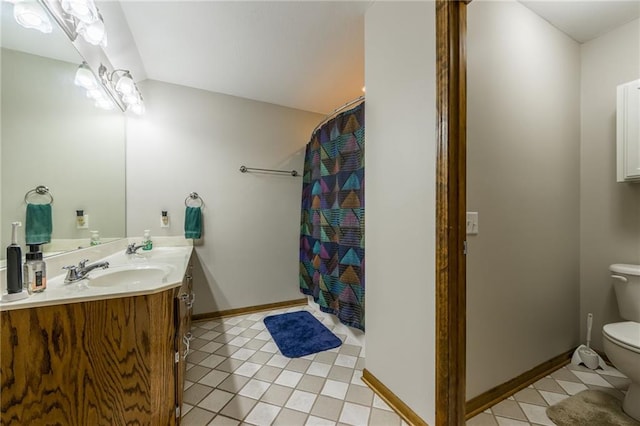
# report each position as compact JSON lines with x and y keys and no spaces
{"x":245,"y":169}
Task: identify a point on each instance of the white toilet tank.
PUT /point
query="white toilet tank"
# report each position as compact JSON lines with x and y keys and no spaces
{"x":626,"y":283}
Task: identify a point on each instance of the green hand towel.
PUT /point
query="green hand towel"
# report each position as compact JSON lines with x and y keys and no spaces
{"x":38,"y":224}
{"x":193,"y":223}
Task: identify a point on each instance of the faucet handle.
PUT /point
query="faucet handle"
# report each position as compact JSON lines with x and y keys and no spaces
{"x":82,"y":263}
{"x":72,"y":273}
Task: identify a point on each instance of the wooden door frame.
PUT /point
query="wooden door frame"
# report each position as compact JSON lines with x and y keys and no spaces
{"x":451,"y":170}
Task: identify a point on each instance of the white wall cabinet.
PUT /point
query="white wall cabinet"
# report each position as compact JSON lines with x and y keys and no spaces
{"x":628,"y":132}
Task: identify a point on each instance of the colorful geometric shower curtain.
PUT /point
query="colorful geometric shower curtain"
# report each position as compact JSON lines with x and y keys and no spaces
{"x":332,"y":220}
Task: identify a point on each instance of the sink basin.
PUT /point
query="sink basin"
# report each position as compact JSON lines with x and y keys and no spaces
{"x":136,"y":275}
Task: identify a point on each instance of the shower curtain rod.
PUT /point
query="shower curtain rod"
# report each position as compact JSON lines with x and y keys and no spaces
{"x":337,"y":110}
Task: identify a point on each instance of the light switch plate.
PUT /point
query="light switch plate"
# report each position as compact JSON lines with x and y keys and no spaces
{"x":472,"y":223}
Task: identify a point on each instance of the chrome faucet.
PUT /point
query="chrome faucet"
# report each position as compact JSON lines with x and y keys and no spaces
{"x":80,"y":272}
{"x":133,"y":248}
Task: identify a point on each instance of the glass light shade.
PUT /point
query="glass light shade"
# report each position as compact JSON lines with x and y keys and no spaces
{"x":84,"y":10}
{"x":132,"y":99}
{"x":93,"y":33}
{"x":105,"y":103}
{"x":85,"y":78}
{"x":29,"y":14}
{"x":137,"y":108}
{"x":95,"y":94}
{"x":125,"y":85}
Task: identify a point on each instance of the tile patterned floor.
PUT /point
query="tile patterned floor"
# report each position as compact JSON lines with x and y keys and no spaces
{"x":236,"y":376}
{"x":528,"y":407}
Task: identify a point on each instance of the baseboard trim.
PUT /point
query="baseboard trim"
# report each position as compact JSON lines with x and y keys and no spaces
{"x":248,"y":310}
{"x":396,"y":404}
{"x":494,"y":395}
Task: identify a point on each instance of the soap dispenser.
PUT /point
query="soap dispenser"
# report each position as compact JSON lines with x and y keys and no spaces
{"x":95,"y":238}
{"x":35,"y":270}
{"x":146,"y":240}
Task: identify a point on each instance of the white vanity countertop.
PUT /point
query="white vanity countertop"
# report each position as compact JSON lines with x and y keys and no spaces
{"x":168,"y":263}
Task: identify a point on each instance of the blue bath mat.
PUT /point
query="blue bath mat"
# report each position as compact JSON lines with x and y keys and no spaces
{"x":300,"y":333}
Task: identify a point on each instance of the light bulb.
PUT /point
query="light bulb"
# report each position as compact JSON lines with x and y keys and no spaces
{"x":137,"y":109}
{"x":31,"y":15}
{"x":93,"y":33}
{"x":130,"y":99}
{"x":84,"y":10}
{"x":85,"y":78}
{"x":125,"y":84}
{"x":95,"y":94}
{"x":104,"y":103}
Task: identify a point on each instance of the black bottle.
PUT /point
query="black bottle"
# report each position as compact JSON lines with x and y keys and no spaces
{"x":14,"y":262}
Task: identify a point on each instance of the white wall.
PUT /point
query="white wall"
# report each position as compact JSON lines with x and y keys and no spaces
{"x":523,"y":179}
{"x":194,"y":140}
{"x":52,"y":135}
{"x":400,"y":225}
{"x":610,"y":222}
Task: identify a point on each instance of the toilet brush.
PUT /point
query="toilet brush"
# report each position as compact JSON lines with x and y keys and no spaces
{"x":585,"y":355}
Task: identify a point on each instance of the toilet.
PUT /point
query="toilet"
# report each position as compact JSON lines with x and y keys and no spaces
{"x":622,"y":339}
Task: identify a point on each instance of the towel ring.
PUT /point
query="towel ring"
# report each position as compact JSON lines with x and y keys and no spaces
{"x":39,"y":190}
{"x":193,"y":196}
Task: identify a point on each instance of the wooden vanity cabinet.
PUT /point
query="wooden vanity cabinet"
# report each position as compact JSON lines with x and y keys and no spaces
{"x":103,"y":362}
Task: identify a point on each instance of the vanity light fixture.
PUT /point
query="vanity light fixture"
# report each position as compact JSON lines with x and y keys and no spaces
{"x":94,"y":33}
{"x":84,"y":10}
{"x":122,"y":87}
{"x":104,"y":103}
{"x":85,"y":78}
{"x":82,"y":17}
{"x":29,"y":14}
{"x":101,"y":99}
{"x":125,"y":85}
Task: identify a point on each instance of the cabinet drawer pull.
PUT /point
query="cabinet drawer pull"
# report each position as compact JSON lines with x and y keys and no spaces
{"x":188,"y":299}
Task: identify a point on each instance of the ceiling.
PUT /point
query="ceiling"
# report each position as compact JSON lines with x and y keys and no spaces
{"x":585,"y":20}
{"x":301,"y":54}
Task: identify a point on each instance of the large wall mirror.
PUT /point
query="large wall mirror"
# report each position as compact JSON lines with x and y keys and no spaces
{"x":52,"y":135}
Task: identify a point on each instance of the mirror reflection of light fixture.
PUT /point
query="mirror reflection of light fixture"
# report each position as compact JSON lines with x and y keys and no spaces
{"x":29,"y":14}
{"x":85,"y":78}
{"x":104,"y":103}
{"x":122,"y":87}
